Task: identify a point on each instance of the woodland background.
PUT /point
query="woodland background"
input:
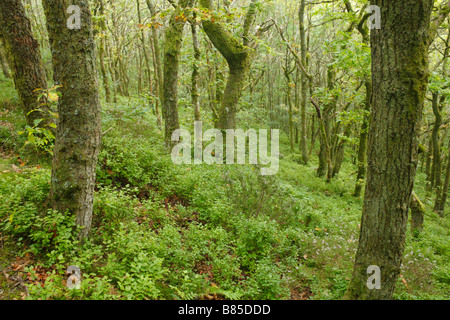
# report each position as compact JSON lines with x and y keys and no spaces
{"x":161,"y":231}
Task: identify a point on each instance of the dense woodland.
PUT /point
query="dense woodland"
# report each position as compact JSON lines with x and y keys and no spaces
{"x":91,"y":95}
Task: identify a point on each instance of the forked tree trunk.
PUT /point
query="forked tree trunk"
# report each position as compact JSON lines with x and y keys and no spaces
{"x":399,"y":76}
{"x":239,"y":57}
{"x":79,"y":129}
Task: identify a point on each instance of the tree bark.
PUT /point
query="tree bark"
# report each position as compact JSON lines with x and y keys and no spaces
{"x":102,"y":40}
{"x":399,"y":76}
{"x":26,"y":63}
{"x":195,"y":73}
{"x":417,"y":215}
{"x":4,"y":60}
{"x":441,"y":196}
{"x":239,"y":57}
{"x":361,"y":161}
{"x":303,"y":128}
{"x":157,"y":65}
{"x":436,"y":163}
{"x":78,"y":134}
{"x":172,"y":51}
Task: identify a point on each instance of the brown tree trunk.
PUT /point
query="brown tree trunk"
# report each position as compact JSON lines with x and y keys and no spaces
{"x":399,"y":77}
{"x":26,"y":63}
{"x":79,"y":129}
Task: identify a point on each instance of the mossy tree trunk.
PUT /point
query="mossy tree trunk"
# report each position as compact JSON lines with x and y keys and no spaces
{"x":441,"y":196}
{"x":399,"y":77}
{"x":304,"y":82}
{"x":436,"y":161}
{"x":24,"y":53}
{"x":159,"y":83}
{"x":3,"y":60}
{"x":102,"y":41}
{"x":362,"y":146}
{"x":417,"y":215}
{"x":79,"y":129}
{"x":195,"y":73}
{"x":172,"y":51}
{"x":239,"y":56}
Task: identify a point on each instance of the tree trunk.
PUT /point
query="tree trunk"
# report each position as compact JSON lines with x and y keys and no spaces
{"x":303,"y":141}
{"x":239,"y":57}
{"x":441,"y":197}
{"x":399,"y":77}
{"x":172,"y":51}
{"x":429,"y":155}
{"x":195,"y":74}
{"x":417,"y":214}
{"x":436,"y":163}
{"x":78,"y":134}
{"x":157,"y":63}
{"x":26,"y":63}
{"x":363,"y":142}
{"x":4,"y":60}
{"x":144,"y":45}
{"x":102,"y":52}
{"x":339,"y":154}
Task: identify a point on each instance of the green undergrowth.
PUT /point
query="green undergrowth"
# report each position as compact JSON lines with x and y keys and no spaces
{"x":162,"y":231}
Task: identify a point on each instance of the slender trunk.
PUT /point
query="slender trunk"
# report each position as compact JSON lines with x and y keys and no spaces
{"x":112,"y":72}
{"x":428,"y":164}
{"x":436,"y":164}
{"x":417,"y":214}
{"x":78,"y":134}
{"x":4,"y":61}
{"x":361,"y":161}
{"x":441,"y":197}
{"x":172,"y":51}
{"x":158,"y":66}
{"x":325,"y":156}
{"x":195,"y":74}
{"x":303,"y":140}
{"x":340,"y":152}
{"x":101,"y":53}
{"x":144,"y":44}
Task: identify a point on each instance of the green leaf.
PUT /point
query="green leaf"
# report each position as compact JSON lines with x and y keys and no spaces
{"x":37,"y":121}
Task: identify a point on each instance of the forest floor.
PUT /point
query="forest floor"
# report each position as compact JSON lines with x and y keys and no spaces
{"x":162,"y":231}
